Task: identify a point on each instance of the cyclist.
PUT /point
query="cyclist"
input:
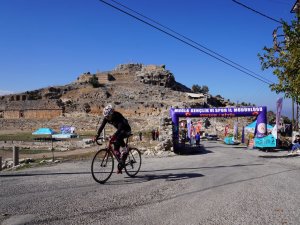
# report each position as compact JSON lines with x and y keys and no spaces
{"x":123,"y":131}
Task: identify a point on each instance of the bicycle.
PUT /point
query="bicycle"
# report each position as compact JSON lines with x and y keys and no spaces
{"x":103,"y":162}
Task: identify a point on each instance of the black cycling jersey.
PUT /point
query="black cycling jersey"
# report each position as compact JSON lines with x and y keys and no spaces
{"x":118,"y":121}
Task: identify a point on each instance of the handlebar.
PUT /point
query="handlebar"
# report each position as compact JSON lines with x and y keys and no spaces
{"x":103,"y":139}
{"x":97,"y":141}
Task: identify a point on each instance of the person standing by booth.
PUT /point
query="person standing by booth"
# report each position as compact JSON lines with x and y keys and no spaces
{"x":153,"y":135}
{"x":157,"y":134}
{"x":197,"y":137}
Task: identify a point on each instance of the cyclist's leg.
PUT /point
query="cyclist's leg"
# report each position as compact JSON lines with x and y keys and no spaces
{"x":117,"y":147}
{"x":119,"y":143}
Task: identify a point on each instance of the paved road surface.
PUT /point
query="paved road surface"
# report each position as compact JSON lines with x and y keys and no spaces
{"x":224,"y":185}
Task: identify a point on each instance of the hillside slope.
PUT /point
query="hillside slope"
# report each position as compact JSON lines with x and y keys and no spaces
{"x":143,"y":93}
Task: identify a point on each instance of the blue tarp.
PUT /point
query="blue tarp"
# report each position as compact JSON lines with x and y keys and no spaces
{"x":44,"y":131}
{"x":230,"y":141}
{"x":265,"y":142}
{"x":252,"y":126}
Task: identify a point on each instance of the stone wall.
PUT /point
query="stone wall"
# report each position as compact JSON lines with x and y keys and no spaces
{"x":102,"y":78}
{"x":11,"y":114}
{"x":129,"y":68}
{"x":32,"y":114}
{"x":122,"y":76}
{"x":83,"y":78}
{"x":155,"y":75}
{"x":123,"y":72}
{"x":134,"y":110}
{"x":42,"y":114}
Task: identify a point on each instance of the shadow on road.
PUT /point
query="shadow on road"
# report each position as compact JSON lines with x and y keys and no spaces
{"x":204,"y":167}
{"x":171,"y":176}
{"x":41,"y":174}
{"x":191,"y":150}
{"x":277,"y":156}
{"x":142,"y":171}
{"x":232,"y":183}
{"x":150,"y":177}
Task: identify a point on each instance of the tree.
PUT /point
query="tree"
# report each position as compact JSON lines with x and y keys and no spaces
{"x":94,"y":81}
{"x":271,"y":117}
{"x":196,"y":88}
{"x":205,"y":89}
{"x":284,"y":58}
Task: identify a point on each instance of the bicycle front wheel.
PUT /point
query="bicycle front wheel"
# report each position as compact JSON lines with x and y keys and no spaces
{"x":133,"y":162}
{"x":102,"y":166}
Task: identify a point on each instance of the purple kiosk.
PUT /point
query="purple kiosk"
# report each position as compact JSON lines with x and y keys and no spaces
{"x":259,"y":112}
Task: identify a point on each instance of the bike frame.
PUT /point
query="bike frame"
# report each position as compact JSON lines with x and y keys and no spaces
{"x":109,"y":148}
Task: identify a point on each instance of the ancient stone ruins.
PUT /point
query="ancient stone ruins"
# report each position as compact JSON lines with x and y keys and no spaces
{"x":144,"y":93}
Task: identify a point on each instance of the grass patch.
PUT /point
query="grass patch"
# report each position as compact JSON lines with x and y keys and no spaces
{"x":82,"y":156}
{"x":27,"y":136}
{"x":26,"y":151}
{"x":22,"y":136}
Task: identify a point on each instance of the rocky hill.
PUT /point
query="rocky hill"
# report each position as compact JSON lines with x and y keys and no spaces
{"x":143,"y":93}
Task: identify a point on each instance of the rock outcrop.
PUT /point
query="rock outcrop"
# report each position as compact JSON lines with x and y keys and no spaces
{"x":141,"y":92}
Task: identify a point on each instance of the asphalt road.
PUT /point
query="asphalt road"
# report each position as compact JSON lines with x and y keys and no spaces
{"x":223,"y":185}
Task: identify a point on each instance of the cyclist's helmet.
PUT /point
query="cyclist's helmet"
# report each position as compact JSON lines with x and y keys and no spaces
{"x":108,"y":110}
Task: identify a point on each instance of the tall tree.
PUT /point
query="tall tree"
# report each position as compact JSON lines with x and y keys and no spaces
{"x":284,"y":58}
{"x":196,"y":88}
{"x":205,"y":89}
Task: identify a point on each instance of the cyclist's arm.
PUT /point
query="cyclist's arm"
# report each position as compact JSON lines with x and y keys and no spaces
{"x":101,"y":127}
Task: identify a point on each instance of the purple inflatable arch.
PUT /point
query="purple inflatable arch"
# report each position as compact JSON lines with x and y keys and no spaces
{"x":260,"y":112}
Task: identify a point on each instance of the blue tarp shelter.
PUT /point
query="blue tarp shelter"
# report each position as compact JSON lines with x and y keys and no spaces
{"x":44,"y":131}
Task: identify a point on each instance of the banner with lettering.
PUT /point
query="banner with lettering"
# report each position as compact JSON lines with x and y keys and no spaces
{"x":259,"y":112}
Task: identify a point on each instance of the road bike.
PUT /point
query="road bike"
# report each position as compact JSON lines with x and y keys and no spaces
{"x":103,"y":162}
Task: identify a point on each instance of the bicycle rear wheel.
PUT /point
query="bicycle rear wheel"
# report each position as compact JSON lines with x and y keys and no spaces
{"x":133,"y":162}
{"x":102,"y":166}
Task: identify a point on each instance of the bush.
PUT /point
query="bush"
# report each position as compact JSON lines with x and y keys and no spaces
{"x":94,"y":81}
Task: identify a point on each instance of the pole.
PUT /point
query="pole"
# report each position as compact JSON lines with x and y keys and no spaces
{"x":297,"y":98}
{"x":293,"y":115}
{"x":297,"y":115}
{"x":237,"y":122}
{"x":52,"y":149}
{"x":0,"y":163}
{"x":15,"y":155}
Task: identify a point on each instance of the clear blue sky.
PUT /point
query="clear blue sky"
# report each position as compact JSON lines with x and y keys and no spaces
{"x":51,"y":42}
